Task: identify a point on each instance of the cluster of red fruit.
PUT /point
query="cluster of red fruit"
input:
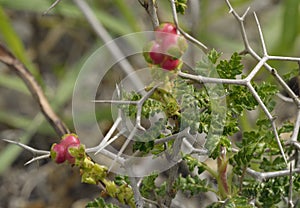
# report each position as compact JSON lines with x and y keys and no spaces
{"x":167,"y":48}
{"x":60,"y":152}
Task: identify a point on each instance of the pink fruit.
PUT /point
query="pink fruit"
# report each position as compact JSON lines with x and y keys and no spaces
{"x":167,"y":27}
{"x":156,"y":54}
{"x":170,"y":64}
{"x":69,"y":139}
{"x":164,"y":28}
{"x":58,"y":153}
{"x":167,"y":48}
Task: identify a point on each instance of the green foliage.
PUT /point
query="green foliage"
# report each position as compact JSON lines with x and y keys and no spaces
{"x":148,"y":185}
{"x":266,"y":91}
{"x":144,"y":141}
{"x":100,"y":203}
{"x":230,"y":69}
{"x":268,"y":165}
{"x":121,"y":180}
{"x":150,"y":190}
{"x":181,"y":6}
{"x":270,"y":192}
{"x":259,"y":146}
{"x":254,"y":145}
{"x":191,"y":184}
{"x":193,"y":163}
{"x":93,"y":173}
{"x":234,"y":202}
{"x":184,"y":105}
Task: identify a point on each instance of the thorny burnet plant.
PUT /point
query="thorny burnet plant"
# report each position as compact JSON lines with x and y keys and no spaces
{"x":259,"y":170}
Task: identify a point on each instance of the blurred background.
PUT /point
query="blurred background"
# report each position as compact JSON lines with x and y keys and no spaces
{"x":54,"y":47}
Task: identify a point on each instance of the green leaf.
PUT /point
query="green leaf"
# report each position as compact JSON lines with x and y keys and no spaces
{"x":148,"y":185}
{"x":213,"y":56}
{"x":191,"y":184}
{"x":287,"y":127}
{"x":180,"y":6}
{"x":234,"y":202}
{"x":269,"y":165}
{"x":230,"y":69}
{"x":121,"y":180}
{"x":100,"y":203}
{"x":162,"y":190}
{"x":14,"y":43}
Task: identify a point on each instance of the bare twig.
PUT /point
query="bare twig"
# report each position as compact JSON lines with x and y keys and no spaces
{"x":247,"y":82}
{"x":151,"y":8}
{"x":202,"y":79}
{"x":186,"y":35}
{"x":43,"y":153}
{"x":172,"y":176}
{"x":296,"y":128}
{"x":267,"y":175}
{"x":284,"y":98}
{"x":249,"y":50}
{"x":138,"y":125}
{"x":139,"y":200}
{"x":290,"y":198}
{"x":138,"y":103}
{"x":261,"y":35}
{"x":14,"y":64}
{"x":51,"y":7}
{"x":104,"y":143}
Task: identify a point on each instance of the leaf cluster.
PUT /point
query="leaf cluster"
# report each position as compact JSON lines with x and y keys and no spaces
{"x":100,"y":203}
{"x":150,"y":189}
{"x":181,"y":6}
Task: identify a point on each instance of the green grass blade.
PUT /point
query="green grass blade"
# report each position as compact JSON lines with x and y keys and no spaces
{"x":14,"y":43}
{"x":290,"y":28}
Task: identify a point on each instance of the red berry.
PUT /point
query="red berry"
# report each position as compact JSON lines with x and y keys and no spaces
{"x":167,"y":27}
{"x":156,"y":54}
{"x":69,"y":139}
{"x":165,"y":31}
{"x":162,"y":31}
{"x":58,"y":153}
{"x":170,"y":64}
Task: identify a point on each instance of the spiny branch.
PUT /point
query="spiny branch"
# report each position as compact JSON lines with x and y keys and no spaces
{"x":186,"y":35}
{"x":151,"y":8}
{"x":51,"y":7}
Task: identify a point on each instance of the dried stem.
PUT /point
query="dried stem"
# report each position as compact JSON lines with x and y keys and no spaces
{"x":186,"y":35}
{"x":290,"y":198}
{"x":267,"y":175}
{"x":52,"y":6}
